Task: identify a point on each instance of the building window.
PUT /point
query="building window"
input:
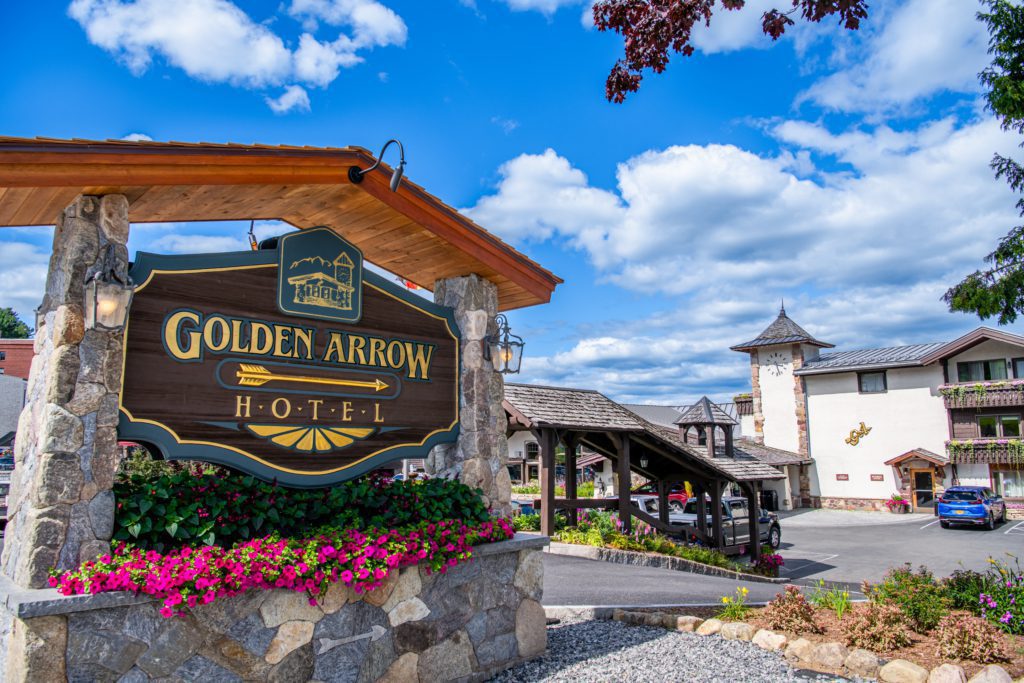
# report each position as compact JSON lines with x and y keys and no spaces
{"x":981,"y":370}
{"x":871,"y":382}
{"x":3,"y":355}
{"x":1018,"y":368}
{"x":515,"y":473}
{"x":994,"y":426}
{"x":532,"y":450}
{"x":1009,"y":483}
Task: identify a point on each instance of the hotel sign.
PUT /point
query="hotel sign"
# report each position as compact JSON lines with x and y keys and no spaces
{"x":289,"y":363}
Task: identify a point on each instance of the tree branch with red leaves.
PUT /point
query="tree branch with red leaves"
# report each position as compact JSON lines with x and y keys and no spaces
{"x":653,"y":28}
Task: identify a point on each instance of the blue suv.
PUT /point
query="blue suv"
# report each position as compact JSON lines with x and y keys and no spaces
{"x":971,"y":505}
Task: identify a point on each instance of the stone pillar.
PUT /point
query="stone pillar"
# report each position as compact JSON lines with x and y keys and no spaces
{"x":479,"y":456}
{"x":755,"y":390}
{"x":61,"y":506}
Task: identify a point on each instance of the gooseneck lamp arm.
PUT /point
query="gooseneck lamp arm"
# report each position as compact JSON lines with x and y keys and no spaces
{"x":356,"y":174}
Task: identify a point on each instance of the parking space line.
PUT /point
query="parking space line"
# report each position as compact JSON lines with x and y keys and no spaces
{"x":924,"y":527}
{"x":1015,"y":527}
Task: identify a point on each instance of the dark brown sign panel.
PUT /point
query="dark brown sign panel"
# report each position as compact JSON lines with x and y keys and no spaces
{"x":248,"y":359}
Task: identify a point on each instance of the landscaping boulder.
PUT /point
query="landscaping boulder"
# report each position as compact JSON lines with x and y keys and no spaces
{"x":862,"y":663}
{"x":993,"y":673}
{"x":902,"y":671}
{"x":688,"y":623}
{"x":769,"y":640}
{"x":710,"y":627}
{"x":653,"y":619}
{"x":947,"y":673}
{"x":800,"y":650}
{"x":736,"y":630}
{"x":829,"y":655}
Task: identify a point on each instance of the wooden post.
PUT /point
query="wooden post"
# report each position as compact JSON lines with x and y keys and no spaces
{"x":547,"y":439}
{"x":570,"y":476}
{"x":709,"y":438}
{"x":716,"y":514}
{"x":699,"y":490}
{"x":753,"y":510}
{"x":663,"y":487}
{"x":624,"y":484}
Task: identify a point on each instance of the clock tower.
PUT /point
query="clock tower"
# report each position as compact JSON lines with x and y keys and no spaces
{"x":780,"y":402}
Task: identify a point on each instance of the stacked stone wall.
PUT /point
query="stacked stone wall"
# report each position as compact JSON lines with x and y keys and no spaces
{"x":480,"y":456}
{"x":464,"y":625}
{"x":60,"y":508}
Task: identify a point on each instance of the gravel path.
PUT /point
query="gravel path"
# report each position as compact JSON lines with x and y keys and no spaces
{"x":607,"y":651}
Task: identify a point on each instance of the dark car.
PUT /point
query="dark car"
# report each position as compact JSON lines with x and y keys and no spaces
{"x":735,"y":521}
{"x":977,"y":505}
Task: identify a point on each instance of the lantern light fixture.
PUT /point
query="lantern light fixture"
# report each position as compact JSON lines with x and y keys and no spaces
{"x":108,"y":293}
{"x":504,"y":349}
{"x":356,"y":174}
{"x":643,"y":461}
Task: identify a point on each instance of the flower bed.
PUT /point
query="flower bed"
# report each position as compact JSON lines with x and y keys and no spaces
{"x":362,"y":560}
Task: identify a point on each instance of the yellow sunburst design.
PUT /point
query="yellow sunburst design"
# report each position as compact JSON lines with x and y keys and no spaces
{"x":309,"y":439}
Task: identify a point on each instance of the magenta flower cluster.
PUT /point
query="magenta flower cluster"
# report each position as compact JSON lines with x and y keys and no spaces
{"x":363,"y":560}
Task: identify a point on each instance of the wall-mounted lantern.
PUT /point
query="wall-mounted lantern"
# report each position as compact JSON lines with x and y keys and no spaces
{"x":504,"y":349}
{"x":643,"y":461}
{"x":108,"y":293}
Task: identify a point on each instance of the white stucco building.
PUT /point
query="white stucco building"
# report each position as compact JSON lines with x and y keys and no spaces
{"x":911,"y":419}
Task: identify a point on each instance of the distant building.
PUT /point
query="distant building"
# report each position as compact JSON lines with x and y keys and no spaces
{"x":12,"y":400}
{"x":911,"y":419}
{"x":16,"y":357}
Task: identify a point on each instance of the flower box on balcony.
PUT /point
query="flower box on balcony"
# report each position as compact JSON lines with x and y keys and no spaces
{"x":982,"y":451}
{"x":1009,"y":392}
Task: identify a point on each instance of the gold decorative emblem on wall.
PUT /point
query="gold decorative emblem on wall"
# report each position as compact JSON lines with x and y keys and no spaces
{"x":857,"y":434}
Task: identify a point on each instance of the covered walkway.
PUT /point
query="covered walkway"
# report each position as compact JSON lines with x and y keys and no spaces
{"x":574,"y":417}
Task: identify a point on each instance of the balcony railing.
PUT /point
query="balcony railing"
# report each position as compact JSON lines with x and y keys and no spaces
{"x":982,"y":451}
{"x":984,"y":394}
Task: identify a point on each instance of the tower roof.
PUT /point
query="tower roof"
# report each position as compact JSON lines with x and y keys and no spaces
{"x":704,"y":412}
{"x":782,"y":331}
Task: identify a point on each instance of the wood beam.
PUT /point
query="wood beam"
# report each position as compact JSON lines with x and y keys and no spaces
{"x":570,"y":474}
{"x":716,"y":514}
{"x":547,"y":439}
{"x":624,"y":485}
{"x":753,"y":510}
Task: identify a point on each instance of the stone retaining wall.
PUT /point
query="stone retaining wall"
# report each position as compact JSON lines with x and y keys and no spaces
{"x":465,"y":625}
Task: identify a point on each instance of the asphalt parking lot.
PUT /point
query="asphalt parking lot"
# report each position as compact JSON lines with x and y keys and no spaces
{"x":839,"y":554}
{"x":854,"y":553}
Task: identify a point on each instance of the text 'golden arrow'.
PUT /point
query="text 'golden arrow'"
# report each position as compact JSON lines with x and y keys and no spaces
{"x":256,"y":375}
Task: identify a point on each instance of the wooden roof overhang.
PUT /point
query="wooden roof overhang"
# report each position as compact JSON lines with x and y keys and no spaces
{"x":919,"y":454}
{"x":409,"y":232}
{"x":969,"y":341}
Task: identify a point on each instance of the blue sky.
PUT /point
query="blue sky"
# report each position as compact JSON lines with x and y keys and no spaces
{"x":846,"y":172}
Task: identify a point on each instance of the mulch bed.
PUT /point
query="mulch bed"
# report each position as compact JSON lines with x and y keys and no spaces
{"x":922,"y":650}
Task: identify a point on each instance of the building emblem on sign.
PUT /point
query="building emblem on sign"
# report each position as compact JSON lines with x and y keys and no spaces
{"x":320,"y":275}
{"x":289,"y":363}
{"x":857,"y":434}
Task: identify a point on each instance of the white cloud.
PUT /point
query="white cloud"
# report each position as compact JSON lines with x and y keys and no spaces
{"x":24,"y":277}
{"x":862,"y":257}
{"x":197,"y":244}
{"x":137,"y":137}
{"x":216,"y":41}
{"x":293,"y":97}
{"x":732,"y":30}
{"x":506,"y":125}
{"x":924,"y":47}
{"x":546,"y":7}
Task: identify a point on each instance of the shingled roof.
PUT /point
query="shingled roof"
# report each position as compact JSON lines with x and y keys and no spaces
{"x":587,"y":410}
{"x":782,"y":331}
{"x":704,"y":412}
{"x":769,"y":455}
{"x":869,"y":359}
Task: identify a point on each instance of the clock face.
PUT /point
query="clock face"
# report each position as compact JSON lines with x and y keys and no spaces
{"x":776,"y":363}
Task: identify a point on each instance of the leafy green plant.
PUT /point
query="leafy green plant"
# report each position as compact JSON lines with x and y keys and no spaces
{"x":734,"y":608}
{"x":526,"y":522}
{"x":963,"y":587}
{"x":964,"y":637}
{"x":876,"y":626}
{"x":790,"y":611}
{"x":194,"y":506}
{"x":835,"y":599}
{"x":917,"y":594}
{"x":1002,"y":603}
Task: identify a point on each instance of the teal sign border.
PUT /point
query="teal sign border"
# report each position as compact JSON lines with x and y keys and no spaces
{"x":162,"y":440}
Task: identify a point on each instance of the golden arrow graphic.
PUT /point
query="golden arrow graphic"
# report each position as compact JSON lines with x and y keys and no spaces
{"x":256,"y":376}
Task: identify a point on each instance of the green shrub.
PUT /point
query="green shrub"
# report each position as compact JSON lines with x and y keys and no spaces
{"x":526,"y":522}
{"x":529,"y":488}
{"x":962,"y":589}
{"x":876,"y":626}
{"x":790,"y":611}
{"x":917,"y":594}
{"x":532,"y":487}
{"x":963,"y":637}
{"x":835,"y":599}
{"x":192,"y":506}
{"x":1002,"y":603}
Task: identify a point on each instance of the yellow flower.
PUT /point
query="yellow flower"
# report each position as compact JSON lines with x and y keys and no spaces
{"x":745,"y":591}
{"x":726,"y":600}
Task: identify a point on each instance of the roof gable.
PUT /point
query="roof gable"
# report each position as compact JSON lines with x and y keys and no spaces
{"x":704,"y":412}
{"x":782,"y":331}
{"x":970,"y":340}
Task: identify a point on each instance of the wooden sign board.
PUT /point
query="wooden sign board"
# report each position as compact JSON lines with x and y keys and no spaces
{"x":290,"y":363}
